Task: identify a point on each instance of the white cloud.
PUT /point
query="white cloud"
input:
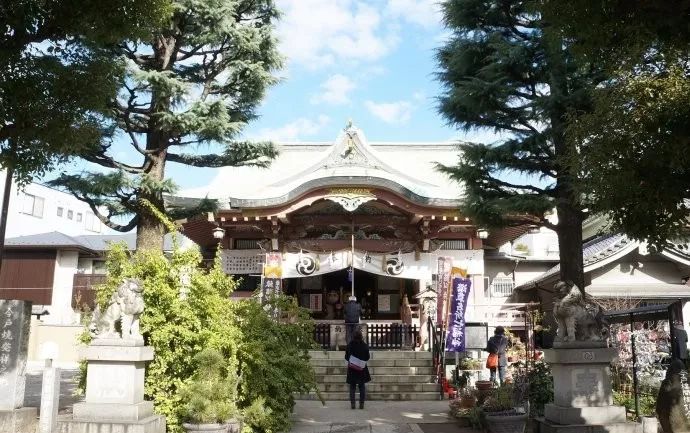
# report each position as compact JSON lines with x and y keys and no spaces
{"x":335,"y":90}
{"x":426,"y":13}
{"x":293,"y":131}
{"x":390,"y":112}
{"x":317,"y":33}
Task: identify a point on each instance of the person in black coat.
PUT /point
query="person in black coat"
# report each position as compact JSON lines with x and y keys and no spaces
{"x":357,"y":378}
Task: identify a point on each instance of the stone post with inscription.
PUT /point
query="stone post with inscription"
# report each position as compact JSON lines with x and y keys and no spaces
{"x":580,"y":365}
{"x":15,"y":323}
{"x":115,"y":373}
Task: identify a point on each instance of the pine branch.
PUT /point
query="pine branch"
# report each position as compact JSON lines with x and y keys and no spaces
{"x":105,"y":219}
{"x":236,"y":155}
{"x":101,"y":158}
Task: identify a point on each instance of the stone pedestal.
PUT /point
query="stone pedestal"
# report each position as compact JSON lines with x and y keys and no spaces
{"x":114,"y":391}
{"x":15,"y":324}
{"x":583,"y":398}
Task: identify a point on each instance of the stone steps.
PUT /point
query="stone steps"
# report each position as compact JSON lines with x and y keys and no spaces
{"x":377,"y":370}
{"x":384,"y":378}
{"x":396,"y":376}
{"x":375,"y":387}
{"x":375,"y":354}
{"x":373,"y":363}
{"x":385,"y":396}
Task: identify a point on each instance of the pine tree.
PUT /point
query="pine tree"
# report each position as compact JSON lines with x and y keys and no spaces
{"x":504,"y":70}
{"x":194,"y":81}
{"x":47,"y":112}
{"x":634,"y":160}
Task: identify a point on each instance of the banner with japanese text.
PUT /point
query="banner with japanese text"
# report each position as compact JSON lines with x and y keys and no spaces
{"x":455,"y":339}
{"x":442,"y":280}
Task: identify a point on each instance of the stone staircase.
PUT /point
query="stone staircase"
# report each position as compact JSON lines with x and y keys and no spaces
{"x":395,"y":375}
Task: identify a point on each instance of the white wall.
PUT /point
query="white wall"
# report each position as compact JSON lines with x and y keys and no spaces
{"x":61,"y":312}
{"x":20,"y":222}
{"x":636,"y":269}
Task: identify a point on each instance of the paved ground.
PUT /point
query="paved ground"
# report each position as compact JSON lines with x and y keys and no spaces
{"x":376,"y":417}
{"x":312,"y":417}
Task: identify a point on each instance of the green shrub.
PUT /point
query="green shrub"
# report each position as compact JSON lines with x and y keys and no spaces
{"x":647,"y":403}
{"x":271,"y":357}
{"x":211,"y":395}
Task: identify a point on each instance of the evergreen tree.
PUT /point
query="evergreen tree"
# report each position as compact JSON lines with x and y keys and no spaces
{"x":634,"y":157}
{"x":47,"y":111}
{"x":196,"y":80}
{"x":52,"y":92}
{"x":504,"y":70}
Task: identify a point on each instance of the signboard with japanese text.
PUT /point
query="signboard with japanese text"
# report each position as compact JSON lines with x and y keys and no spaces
{"x":242,"y":262}
{"x":270,"y":287}
{"x":455,"y":339}
{"x":384,"y":303}
{"x":15,"y":324}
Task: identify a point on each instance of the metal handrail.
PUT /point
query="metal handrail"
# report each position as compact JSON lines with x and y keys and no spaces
{"x":437,"y":353}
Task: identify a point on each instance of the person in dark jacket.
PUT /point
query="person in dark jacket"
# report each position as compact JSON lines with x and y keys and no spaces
{"x":357,"y":378}
{"x":352,"y":313}
{"x":498,"y":345}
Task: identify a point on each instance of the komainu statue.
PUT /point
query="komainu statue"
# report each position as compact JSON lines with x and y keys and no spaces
{"x":126,"y":305}
{"x":578,"y":317}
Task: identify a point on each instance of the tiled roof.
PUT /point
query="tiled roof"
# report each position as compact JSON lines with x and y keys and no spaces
{"x":89,"y":243}
{"x":594,"y":254}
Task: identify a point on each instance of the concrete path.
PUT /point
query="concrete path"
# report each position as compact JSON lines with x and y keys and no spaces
{"x":377,"y":417}
{"x":310,"y":416}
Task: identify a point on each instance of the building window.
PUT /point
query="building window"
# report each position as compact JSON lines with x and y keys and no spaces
{"x":98,"y":267}
{"x":79,"y":217}
{"x":502,"y":286}
{"x":60,"y":211}
{"x":70,"y":214}
{"x":454,"y":244}
{"x":247,"y":244}
{"x":92,"y":223}
{"x":32,"y":205}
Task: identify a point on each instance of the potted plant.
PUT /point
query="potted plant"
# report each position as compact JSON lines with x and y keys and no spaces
{"x":211,"y":395}
{"x":467,"y":398}
{"x":470,"y":364}
{"x":500,"y":413}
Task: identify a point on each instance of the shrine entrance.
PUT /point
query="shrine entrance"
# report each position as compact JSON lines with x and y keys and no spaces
{"x":324,"y":295}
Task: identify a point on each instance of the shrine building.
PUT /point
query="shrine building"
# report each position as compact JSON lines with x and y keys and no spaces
{"x":347,"y":216}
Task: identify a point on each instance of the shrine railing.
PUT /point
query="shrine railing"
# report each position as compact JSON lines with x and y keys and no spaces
{"x":322,"y":335}
{"x":391,"y":336}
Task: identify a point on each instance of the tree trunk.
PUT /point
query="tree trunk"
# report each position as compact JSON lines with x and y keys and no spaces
{"x":151,"y":230}
{"x":570,"y":244}
{"x":568,"y":205}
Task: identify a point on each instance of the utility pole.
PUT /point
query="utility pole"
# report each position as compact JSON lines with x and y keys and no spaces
{"x":3,"y":214}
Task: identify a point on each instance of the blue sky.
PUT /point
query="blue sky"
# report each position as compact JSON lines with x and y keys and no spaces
{"x":369,"y":61}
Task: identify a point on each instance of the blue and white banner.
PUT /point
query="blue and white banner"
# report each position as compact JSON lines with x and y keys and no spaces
{"x":455,"y":339}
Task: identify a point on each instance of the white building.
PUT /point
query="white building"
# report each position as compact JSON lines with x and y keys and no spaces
{"x":41,"y":209}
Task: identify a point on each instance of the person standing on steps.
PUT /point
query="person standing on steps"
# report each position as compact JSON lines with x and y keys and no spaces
{"x":352,"y":313}
{"x":357,"y":356}
{"x":496,"y":346}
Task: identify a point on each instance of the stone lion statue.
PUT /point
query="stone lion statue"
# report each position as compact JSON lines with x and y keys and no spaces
{"x":578,"y":317}
{"x":126,"y":305}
